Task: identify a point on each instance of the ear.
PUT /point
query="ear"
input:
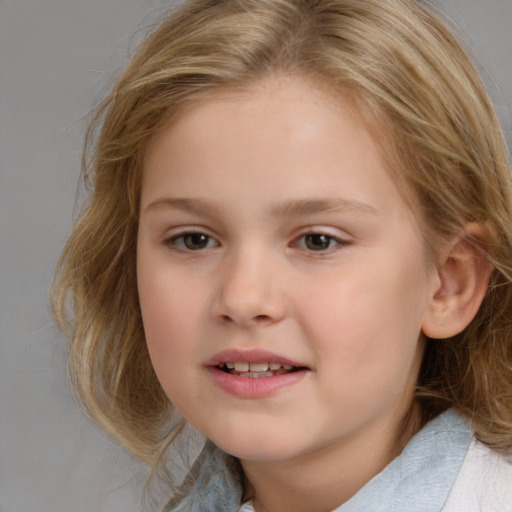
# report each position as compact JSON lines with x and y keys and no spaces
{"x":462,"y":280}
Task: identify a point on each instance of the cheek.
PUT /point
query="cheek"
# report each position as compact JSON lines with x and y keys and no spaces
{"x":164,"y":316}
{"x":168,"y":327}
{"x":366,"y":352}
{"x":367,"y":318}
{"x":169,"y":316}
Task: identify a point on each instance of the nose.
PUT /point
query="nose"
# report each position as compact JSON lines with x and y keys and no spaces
{"x":250,"y":293}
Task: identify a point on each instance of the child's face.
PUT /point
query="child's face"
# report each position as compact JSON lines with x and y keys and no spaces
{"x":271,"y":232}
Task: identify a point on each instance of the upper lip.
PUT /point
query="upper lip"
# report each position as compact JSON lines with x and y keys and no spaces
{"x":250,"y":356}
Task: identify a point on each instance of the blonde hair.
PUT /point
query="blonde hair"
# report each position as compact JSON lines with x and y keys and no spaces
{"x":409,"y":78}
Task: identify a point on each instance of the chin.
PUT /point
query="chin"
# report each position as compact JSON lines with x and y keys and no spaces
{"x":258,"y":447}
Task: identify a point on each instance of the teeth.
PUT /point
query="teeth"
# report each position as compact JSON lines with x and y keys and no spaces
{"x":261,"y":368}
{"x":257,"y":375}
{"x":258,"y":367}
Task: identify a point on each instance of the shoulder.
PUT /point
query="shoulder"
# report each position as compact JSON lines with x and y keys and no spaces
{"x":484,"y":482}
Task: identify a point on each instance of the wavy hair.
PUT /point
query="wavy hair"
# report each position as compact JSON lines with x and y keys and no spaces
{"x":409,"y":78}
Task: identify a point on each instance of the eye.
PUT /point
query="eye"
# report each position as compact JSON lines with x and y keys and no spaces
{"x":192,"y":241}
{"x":318,"y":242}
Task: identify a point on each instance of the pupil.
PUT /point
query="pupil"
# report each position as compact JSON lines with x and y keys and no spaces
{"x":317,"y":242}
{"x":196,"y":241}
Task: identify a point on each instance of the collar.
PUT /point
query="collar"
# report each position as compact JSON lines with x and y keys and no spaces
{"x":421,"y":477}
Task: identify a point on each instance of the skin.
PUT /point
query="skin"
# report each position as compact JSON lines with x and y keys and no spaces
{"x":260,"y":171}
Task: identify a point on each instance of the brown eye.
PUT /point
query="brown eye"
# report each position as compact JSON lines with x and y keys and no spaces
{"x":319,"y":242}
{"x":193,"y":241}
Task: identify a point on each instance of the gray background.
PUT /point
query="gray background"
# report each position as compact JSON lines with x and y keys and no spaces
{"x":57,"y":58}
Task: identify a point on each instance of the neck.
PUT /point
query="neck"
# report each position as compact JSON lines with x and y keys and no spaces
{"x":329,"y":476}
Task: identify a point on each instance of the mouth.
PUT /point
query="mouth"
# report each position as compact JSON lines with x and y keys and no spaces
{"x":257,"y":370}
{"x":254,"y":373}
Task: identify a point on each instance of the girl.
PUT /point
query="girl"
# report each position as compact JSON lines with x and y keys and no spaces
{"x":299,"y":236}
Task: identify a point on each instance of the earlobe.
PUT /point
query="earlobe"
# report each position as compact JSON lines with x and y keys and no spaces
{"x":463,"y":277}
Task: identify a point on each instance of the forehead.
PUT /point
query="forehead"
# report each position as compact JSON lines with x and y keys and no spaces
{"x":286,"y":90}
{"x":281,"y":134}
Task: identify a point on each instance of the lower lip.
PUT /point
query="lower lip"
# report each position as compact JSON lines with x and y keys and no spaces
{"x":254,"y":387}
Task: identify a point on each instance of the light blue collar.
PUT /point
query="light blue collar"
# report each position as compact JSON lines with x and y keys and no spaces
{"x":421,"y":478}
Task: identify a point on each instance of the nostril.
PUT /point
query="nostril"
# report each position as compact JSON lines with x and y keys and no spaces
{"x":257,"y":319}
{"x":226,"y":318}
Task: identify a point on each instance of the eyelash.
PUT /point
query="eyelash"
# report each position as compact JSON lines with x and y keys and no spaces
{"x":174,"y":241}
{"x":180,"y":241}
{"x":326,"y":238}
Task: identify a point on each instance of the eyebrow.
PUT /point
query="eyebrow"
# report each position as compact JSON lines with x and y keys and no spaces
{"x":310,"y":206}
{"x":189,"y":205}
{"x":294,"y":207}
